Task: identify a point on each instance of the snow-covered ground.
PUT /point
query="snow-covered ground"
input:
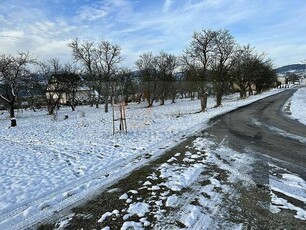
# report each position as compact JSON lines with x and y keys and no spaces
{"x":48,"y":163}
{"x":298,"y":105}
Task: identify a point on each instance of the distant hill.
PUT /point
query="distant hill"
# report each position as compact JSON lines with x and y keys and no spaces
{"x":291,"y":68}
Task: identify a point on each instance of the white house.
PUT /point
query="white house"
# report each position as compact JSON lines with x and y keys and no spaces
{"x":83,"y":94}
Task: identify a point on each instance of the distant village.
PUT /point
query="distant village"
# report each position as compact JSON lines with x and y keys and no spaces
{"x":292,"y":74}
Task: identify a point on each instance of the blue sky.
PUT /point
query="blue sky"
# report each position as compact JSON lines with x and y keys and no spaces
{"x":45,"y":27}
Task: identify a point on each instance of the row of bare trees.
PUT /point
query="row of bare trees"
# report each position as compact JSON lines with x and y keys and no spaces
{"x":213,"y":59}
{"x":158,"y":76}
{"x":100,"y":61}
{"x":213,"y":63}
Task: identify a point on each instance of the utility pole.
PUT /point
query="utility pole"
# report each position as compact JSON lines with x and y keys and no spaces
{"x":303,"y":79}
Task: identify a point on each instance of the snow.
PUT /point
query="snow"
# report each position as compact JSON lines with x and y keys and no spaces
{"x":124,"y":197}
{"x":131,"y":225}
{"x":105,"y":216}
{"x":108,"y":214}
{"x":177,"y":181}
{"x":201,"y":205}
{"x":49,"y":163}
{"x":133,"y":191}
{"x":139,"y":209}
{"x":298,"y":105}
{"x":171,"y":201}
{"x":279,"y":203}
{"x":295,"y":188}
{"x":291,"y":186}
{"x":200,"y":213}
{"x":64,"y":223}
{"x":147,"y":183}
{"x":155,"y":188}
{"x":192,"y":217}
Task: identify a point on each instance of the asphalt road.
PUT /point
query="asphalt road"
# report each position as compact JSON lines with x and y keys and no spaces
{"x":265,"y":129}
{"x":278,"y":144}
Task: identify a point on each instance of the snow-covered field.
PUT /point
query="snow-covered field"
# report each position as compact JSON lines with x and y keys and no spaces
{"x":49,"y":163}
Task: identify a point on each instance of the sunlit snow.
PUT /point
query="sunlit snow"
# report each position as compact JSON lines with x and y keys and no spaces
{"x":49,"y":162}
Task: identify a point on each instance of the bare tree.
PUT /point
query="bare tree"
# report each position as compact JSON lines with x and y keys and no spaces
{"x":197,"y":58}
{"x":166,"y":65}
{"x":221,"y":64}
{"x":127,"y":86}
{"x":100,"y":61}
{"x":149,"y":76}
{"x":34,"y":90}
{"x":176,"y":85}
{"x":13,"y":73}
{"x":49,"y":69}
{"x":71,"y":81}
{"x":190,"y":79}
{"x":243,"y":69}
{"x":266,"y":77}
{"x":251,"y":71}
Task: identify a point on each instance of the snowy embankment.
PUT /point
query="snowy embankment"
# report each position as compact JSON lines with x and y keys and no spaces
{"x":298,"y":105}
{"x":50,"y":163}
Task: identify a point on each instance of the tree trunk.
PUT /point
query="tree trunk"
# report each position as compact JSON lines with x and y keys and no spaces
{"x":52,"y":105}
{"x":219,"y":99}
{"x":72,"y":107}
{"x":162,"y":100}
{"x":13,"y":122}
{"x":51,"y":109}
{"x":150,"y":102}
{"x":126,"y":100}
{"x":106,"y":105}
{"x":202,"y":95}
{"x":191,"y":96}
{"x":147,"y":96}
{"x":12,"y":110}
{"x":107,"y":93}
{"x":242,"y":93}
{"x":12,"y":114}
{"x":203,"y":99}
{"x":250,"y":90}
{"x":173,"y":98}
{"x":106,"y":100}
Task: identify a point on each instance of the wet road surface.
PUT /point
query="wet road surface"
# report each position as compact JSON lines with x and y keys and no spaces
{"x":264,"y":128}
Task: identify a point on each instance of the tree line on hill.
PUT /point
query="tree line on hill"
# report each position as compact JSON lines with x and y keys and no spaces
{"x":212,"y":64}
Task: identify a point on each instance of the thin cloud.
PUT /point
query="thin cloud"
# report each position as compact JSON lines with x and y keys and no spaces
{"x":92,"y":13}
{"x":167,"y":5}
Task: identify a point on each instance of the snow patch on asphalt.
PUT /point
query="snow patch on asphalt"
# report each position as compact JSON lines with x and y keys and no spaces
{"x":292,"y":187}
{"x":280,"y":131}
